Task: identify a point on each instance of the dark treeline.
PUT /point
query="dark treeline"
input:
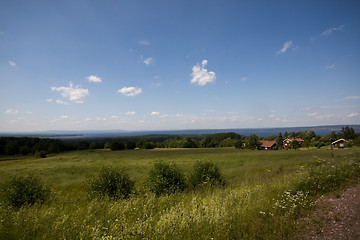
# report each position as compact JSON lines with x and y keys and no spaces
{"x":34,"y":146}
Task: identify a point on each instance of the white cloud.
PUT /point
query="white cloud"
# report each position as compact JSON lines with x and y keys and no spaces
{"x":49,"y":100}
{"x":312,"y":114}
{"x":164,"y":116}
{"x":61,"y":118}
{"x":351,"y":115}
{"x":330,"y":66}
{"x":74,"y":94}
{"x":11,"y":111}
{"x":155,"y":113}
{"x":178,"y":115}
{"x":130,"y":113}
{"x":12,"y":64}
{"x":144,"y":43}
{"x":201,"y":76}
{"x":130,"y":91}
{"x":243,"y":79}
{"x":329,"y":31}
{"x":287,"y":45}
{"x":352,"y":97}
{"x":94,"y":79}
{"x":61,"y":102}
{"x":148,"y":61}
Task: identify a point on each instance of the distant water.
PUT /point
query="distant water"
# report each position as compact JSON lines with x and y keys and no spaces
{"x":262,"y":132}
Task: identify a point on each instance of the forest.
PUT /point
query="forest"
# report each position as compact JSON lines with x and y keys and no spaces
{"x":39,"y":147}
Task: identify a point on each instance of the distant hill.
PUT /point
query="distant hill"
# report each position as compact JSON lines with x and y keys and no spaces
{"x":262,"y":132}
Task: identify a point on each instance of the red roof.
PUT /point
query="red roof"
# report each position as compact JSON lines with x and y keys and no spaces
{"x":293,"y":139}
{"x":264,"y":143}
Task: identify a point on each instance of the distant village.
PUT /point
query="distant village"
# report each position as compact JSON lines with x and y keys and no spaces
{"x":294,"y":143}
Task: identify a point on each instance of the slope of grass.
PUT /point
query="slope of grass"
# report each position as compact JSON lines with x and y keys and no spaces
{"x":264,"y":195}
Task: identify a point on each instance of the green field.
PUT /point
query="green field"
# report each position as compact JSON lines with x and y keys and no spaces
{"x":266,"y":192}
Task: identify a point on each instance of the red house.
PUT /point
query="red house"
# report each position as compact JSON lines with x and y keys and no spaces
{"x":267,"y":145}
{"x":287,"y":142}
{"x":339,"y":143}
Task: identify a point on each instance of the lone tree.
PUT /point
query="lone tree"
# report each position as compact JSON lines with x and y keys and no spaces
{"x":253,"y":141}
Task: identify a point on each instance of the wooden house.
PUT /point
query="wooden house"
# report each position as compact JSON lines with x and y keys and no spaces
{"x":340,"y":143}
{"x":287,"y":142}
{"x":267,"y":145}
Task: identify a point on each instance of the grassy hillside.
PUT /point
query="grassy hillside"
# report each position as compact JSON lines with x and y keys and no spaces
{"x":265,"y":193}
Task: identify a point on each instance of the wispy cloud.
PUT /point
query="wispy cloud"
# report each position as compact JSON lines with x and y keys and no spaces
{"x":130,"y":91}
{"x":61,"y":118}
{"x":201,"y":76}
{"x":287,"y":45}
{"x":351,"y":115}
{"x":130,"y":113}
{"x":143,"y":43}
{"x":330,"y":66}
{"x":148,"y":61}
{"x":94,"y":79}
{"x":12,"y":63}
{"x":243,"y":79}
{"x":74,"y":94}
{"x":179,"y":115}
{"x":61,"y":102}
{"x":155,"y":113}
{"x":49,"y":100}
{"x":11,"y":111}
{"x":329,"y":31}
{"x":352,"y":97}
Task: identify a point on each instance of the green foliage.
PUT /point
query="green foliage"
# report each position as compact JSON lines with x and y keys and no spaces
{"x":279,"y":140}
{"x":165,"y":178}
{"x":111,"y":182}
{"x":206,"y":172}
{"x":149,"y":145}
{"x":26,"y":191}
{"x":348,"y":133}
{"x":295,"y":144}
{"x":130,"y":145}
{"x":40,"y":154}
{"x":253,"y":142}
{"x":116,"y":145}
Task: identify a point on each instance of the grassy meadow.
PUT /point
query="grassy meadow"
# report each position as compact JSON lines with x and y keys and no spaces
{"x":265,"y":193}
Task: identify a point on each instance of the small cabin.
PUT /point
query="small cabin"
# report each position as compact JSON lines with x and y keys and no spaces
{"x":267,"y":145}
{"x":340,"y":143}
{"x":287,"y":142}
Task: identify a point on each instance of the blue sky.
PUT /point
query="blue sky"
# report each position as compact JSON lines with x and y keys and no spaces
{"x":160,"y":65}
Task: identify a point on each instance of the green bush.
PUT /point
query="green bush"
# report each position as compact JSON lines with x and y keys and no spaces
{"x":113,"y":183}
{"x":165,"y":178}
{"x":26,"y":191}
{"x":41,"y":154}
{"x":149,"y":145}
{"x":117,"y":145}
{"x":206,"y":172}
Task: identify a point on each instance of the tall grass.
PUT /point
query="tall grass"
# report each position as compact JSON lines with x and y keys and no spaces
{"x":262,"y":200}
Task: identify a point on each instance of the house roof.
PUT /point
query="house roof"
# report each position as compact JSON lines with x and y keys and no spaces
{"x":264,"y":143}
{"x":293,"y":139}
{"x":339,"y":140}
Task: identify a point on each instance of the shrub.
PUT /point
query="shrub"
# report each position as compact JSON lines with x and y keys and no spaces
{"x":206,"y":172}
{"x":41,"y":154}
{"x":26,"y":191}
{"x":112,"y":182}
{"x":165,"y":178}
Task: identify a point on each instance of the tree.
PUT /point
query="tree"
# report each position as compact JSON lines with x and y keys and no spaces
{"x":348,"y":133}
{"x":130,"y":145}
{"x":116,"y":145}
{"x":279,"y":140}
{"x":295,"y":144}
{"x":253,"y":142}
